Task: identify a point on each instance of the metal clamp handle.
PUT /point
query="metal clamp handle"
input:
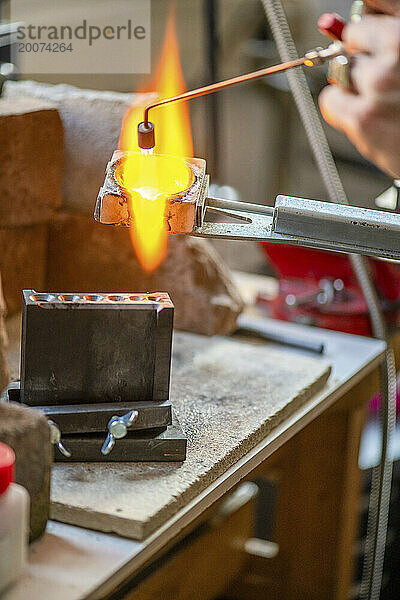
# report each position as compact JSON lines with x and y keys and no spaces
{"x":117,"y":429}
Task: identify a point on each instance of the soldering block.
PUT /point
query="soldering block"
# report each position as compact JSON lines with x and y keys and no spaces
{"x":112,"y":206}
{"x":31,"y":158}
{"x":23,"y":261}
{"x":95,"y":348}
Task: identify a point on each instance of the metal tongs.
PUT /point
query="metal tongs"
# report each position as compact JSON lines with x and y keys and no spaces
{"x":304,"y":222}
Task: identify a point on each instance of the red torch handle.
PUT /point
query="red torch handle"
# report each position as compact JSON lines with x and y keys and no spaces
{"x":332,"y":24}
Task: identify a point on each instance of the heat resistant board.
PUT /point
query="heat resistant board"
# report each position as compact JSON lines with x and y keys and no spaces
{"x":228,"y":395}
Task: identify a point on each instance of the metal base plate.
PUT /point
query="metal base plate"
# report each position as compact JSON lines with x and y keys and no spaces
{"x":160,"y":445}
{"x":155,"y":435}
{"x":92,"y":418}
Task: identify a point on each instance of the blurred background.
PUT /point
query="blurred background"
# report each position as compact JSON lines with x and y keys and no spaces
{"x":219,"y":39}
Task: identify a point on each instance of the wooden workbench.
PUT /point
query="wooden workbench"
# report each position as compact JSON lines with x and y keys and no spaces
{"x":312,"y":453}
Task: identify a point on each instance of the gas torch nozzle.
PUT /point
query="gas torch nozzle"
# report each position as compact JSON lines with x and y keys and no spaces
{"x":146,"y":137}
{"x":318,"y":56}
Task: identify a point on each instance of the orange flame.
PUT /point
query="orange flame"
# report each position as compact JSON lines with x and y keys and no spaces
{"x":151,"y":179}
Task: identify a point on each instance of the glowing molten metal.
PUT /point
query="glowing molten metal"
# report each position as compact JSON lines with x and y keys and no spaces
{"x":150,"y":179}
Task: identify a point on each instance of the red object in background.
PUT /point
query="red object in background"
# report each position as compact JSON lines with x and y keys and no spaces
{"x":332,"y":24}
{"x":302,"y":274}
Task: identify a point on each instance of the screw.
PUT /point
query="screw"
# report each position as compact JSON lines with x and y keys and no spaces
{"x":117,"y":429}
{"x":55,"y":438}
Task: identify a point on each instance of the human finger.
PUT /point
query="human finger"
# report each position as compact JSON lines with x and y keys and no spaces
{"x":377,"y":77}
{"x":372,"y":35}
{"x":339,"y":107}
{"x":388,"y":7}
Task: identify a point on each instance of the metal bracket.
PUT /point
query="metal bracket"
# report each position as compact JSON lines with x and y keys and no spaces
{"x":304,"y":222}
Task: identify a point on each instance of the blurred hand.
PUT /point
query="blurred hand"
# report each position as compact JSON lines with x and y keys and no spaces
{"x":388,"y":7}
{"x":370,"y":116}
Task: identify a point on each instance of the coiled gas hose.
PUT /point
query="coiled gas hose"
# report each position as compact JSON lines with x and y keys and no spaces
{"x":382,"y":474}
